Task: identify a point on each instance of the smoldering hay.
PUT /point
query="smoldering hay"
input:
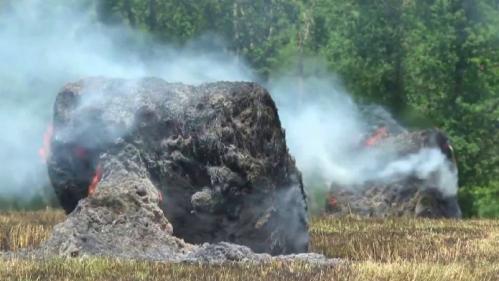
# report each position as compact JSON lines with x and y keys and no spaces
{"x":418,"y":180}
{"x":360,"y":158}
{"x":179,"y":163}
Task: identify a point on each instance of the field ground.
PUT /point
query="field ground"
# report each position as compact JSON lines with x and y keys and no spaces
{"x":374,"y":250}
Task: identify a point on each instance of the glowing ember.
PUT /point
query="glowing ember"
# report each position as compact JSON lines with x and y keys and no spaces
{"x":332,"y":201}
{"x":95,"y":181}
{"x":44,"y":151}
{"x":378,"y":135}
{"x":80,"y":152}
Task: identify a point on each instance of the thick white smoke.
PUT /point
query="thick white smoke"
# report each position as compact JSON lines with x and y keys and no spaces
{"x":45,"y":44}
{"x":429,"y":164}
{"x":326,"y":130}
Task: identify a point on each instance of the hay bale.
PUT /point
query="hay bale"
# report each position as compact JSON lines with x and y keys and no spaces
{"x":408,"y":194}
{"x":212,"y":157}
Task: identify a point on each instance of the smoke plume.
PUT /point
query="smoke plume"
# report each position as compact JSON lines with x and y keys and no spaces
{"x":45,"y":44}
{"x":326,"y":131}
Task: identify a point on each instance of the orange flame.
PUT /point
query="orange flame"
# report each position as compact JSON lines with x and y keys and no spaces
{"x":333,"y":202}
{"x":95,"y":181}
{"x":378,"y":135}
{"x":80,"y":152}
{"x":44,"y":151}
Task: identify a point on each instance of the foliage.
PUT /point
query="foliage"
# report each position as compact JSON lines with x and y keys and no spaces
{"x":487,"y":200}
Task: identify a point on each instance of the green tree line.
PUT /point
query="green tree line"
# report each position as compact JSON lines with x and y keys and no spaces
{"x":428,"y":61}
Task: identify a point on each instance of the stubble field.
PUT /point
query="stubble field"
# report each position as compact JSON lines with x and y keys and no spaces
{"x":404,"y":249}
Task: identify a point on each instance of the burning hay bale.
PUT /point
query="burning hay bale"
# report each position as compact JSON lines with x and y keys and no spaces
{"x":418,"y":179}
{"x":151,"y":159}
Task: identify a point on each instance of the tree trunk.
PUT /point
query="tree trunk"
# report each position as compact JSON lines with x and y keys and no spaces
{"x":303,"y":36}
{"x":129,"y":12}
{"x":235,"y":26}
{"x":152,"y":18}
{"x":468,"y":7}
{"x":399,"y":99}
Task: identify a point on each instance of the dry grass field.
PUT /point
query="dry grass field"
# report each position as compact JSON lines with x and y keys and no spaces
{"x":373,"y":250}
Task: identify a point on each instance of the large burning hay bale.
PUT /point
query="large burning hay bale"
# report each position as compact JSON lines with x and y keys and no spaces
{"x":122,"y":219}
{"x":417,"y":177}
{"x":211,"y":158}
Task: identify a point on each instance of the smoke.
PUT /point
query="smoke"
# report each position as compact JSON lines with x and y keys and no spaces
{"x":326,"y":132}
{"x":429,"y":164}
{"x":46,"y":44}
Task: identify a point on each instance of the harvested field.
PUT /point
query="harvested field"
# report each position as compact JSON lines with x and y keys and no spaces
{"x":396,"y":249}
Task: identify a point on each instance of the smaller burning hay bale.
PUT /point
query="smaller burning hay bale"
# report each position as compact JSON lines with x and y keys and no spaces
{"x":137,"y":162}
{"x":400,"y":189}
